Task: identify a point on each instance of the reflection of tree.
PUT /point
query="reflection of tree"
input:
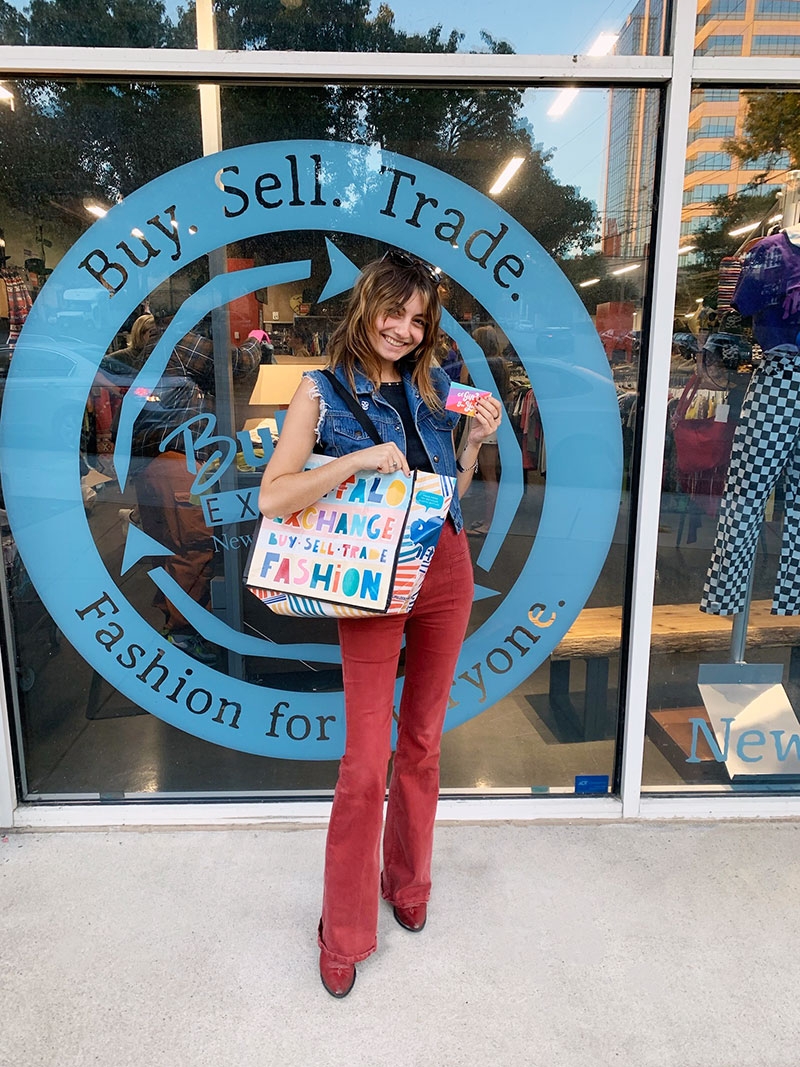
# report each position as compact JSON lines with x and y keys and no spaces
{"x":12,"y":25}
{"x":102,"y":23}
{"x":69,"y":140}
{"x":771,"y":127}
{"x":595,"y":265}
{"x":76,"y":139}
{"x":320,"y":26}
{"x":699,"y":278}
{"x":468,"y":133}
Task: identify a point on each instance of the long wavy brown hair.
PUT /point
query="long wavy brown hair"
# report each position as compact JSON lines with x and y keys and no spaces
{"x":382,"y":286}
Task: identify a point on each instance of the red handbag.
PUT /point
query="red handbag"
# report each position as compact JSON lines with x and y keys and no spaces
{"x":700,"y":444}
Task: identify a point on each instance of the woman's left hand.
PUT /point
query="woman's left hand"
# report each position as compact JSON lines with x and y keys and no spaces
{"x":486,"y":419}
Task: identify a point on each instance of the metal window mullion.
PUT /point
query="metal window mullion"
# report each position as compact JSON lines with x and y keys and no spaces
{"x":664,"y":282}
{"x":221,"y":64}
{"x":8,"y":790}
{"x":747,"y":70}
{"x":205,"y":62}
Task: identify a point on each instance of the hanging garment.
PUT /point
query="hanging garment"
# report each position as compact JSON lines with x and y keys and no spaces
{"x":532,"y":435}
{"x":19,"y":304}
{"x":769,"y":290}
{"x":528,"y":462}
{"x":730,"y":269}
{"x":766,"y":444}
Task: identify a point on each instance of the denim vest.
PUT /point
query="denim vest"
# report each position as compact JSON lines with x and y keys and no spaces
{"x":339,"y":432}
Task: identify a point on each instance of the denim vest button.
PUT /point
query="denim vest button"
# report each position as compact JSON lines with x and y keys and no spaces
{"x":435,"y":459}
{"x":365,"y":404}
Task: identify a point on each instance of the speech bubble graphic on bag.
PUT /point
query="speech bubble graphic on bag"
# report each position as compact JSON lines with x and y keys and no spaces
{"x":192,"y":211}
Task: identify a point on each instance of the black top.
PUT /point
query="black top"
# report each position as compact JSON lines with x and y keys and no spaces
{"x":394,"y":393}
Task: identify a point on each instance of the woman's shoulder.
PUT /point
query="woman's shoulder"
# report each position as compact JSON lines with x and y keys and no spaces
{"x":318,"y":384}
{"x":315,"y":377}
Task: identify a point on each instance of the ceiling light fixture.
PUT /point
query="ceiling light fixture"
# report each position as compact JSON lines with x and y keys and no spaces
{"x":743,"y":229}
{"x":561,"y":103}
{"x":626,"y":270}
{"x":507,"y":173}
{"x":591,"y":281}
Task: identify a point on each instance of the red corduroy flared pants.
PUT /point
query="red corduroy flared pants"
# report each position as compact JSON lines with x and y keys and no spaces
{"x":434,"y":632}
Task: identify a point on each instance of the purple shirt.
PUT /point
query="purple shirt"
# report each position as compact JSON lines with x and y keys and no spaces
{"x":769,"y":290}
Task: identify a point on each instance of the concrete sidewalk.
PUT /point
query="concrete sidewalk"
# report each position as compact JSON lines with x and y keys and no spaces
{"x":547,"y":945}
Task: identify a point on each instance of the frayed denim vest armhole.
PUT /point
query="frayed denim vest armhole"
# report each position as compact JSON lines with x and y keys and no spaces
{"x":315,"y":393}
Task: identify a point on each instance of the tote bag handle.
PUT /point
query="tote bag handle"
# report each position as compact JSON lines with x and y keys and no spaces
{"x":355,"y":408}
{"x":685,"y":402}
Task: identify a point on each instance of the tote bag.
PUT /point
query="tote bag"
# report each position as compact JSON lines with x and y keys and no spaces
{"x":700,"y":444}
{"x":362,"y":549}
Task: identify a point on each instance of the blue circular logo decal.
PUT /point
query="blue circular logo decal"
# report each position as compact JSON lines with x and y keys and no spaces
{"x":334,"y":188}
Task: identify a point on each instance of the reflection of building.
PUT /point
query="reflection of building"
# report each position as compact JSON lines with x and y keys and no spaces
{"x":731,"y":28}
{"x":717,"y":115}
{"x":632,"y":130}
{"x":724,"y":27}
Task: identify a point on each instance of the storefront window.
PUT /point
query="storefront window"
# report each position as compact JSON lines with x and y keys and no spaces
{"x":138,"y":414}
{"x":725,"y":629}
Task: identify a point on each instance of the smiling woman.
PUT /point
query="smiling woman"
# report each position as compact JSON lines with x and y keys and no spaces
{"x":388,"y":335}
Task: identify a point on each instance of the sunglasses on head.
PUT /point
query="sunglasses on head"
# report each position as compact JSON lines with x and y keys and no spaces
{"x":405,"y":259}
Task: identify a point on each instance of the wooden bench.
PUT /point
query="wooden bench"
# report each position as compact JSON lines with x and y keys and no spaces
{"x":596,"y":636}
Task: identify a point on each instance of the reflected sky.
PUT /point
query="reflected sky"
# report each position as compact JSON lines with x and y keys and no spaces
{"x":535,"y":26}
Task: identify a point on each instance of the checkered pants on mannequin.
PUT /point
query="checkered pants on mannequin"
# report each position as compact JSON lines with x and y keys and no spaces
{"x":766,"y":444}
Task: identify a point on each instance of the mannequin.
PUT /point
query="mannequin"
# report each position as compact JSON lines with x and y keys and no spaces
{"x":766,"y":444}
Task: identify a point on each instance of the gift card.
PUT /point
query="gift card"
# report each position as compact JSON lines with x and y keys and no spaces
{"x":463,"y":398}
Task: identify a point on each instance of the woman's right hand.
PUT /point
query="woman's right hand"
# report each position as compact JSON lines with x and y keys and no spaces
{"x":385,"y":459}
{"x":286,"y":487}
